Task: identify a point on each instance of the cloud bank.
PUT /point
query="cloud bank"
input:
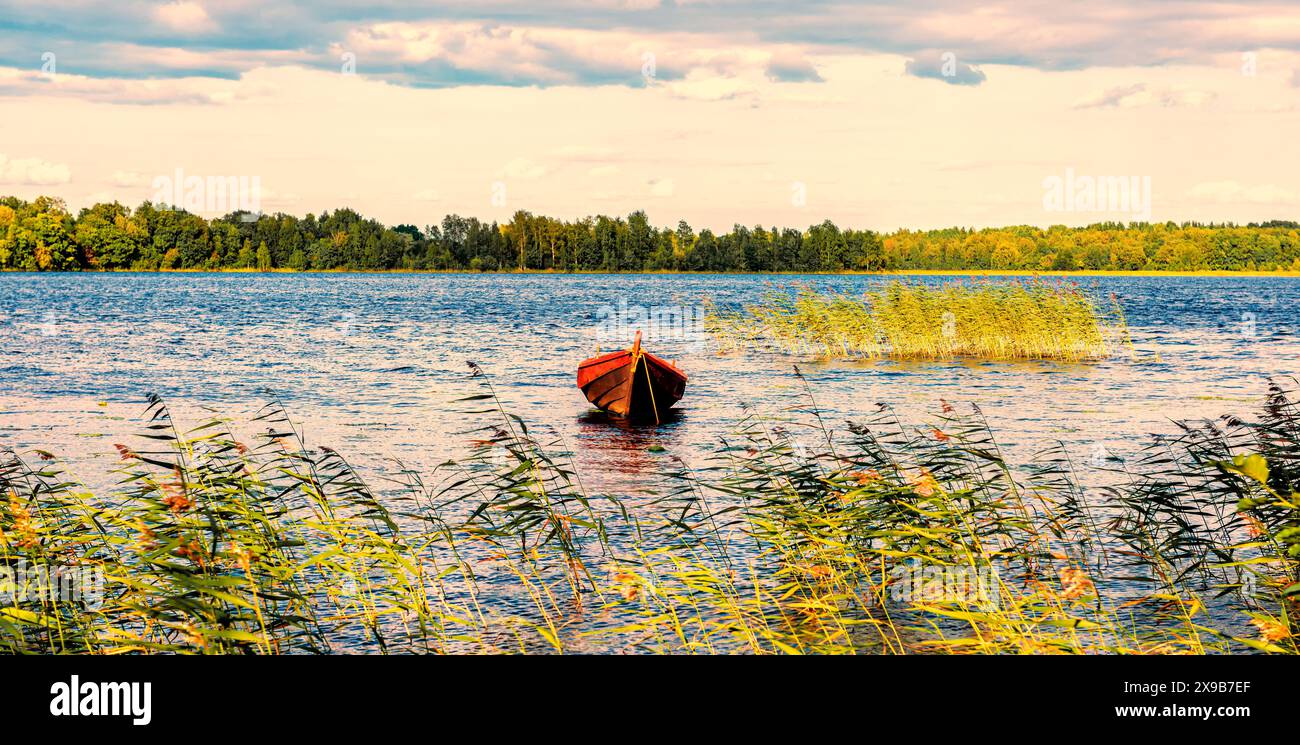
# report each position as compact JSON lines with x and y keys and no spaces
{"x":545,"y":43}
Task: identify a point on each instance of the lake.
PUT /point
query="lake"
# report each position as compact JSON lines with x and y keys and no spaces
{"x":375,"y":366}
{"x":372,"y":364}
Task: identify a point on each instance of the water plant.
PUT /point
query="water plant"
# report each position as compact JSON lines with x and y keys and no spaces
{"x":1002,"y":320}
{"x":792,"y":537}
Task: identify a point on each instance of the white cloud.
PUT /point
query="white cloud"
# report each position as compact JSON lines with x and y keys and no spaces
{"x":184,"y":16}
{"x":523,"y":168}
{"x":33,"y":172}
{"x":605,"y":170}
{"x":1181,"y":96}
{"x":129,"y":179}
{"x":15,"y":82}
{"x":476,"y":42}
{"x":467,"y":53}
{"x":705,"y":86}
{"x":626,"y":4}
{"x":425,"y":195}
{"x":1117,"y":96}
{"x":1138,"y":94}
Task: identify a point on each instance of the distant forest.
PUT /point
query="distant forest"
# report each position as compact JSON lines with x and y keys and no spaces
{"x":42,"y":235}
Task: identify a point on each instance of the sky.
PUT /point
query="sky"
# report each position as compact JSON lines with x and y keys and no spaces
{"x":880,"y":115}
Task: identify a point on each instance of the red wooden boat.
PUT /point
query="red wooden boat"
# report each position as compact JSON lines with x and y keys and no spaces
{"x":632,"y":383}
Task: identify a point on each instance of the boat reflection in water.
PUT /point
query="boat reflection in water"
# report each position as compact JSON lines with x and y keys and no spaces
{"x":629,"y":447}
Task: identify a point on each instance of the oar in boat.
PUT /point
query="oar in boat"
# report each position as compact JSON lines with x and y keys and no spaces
{"x":632,"y":383}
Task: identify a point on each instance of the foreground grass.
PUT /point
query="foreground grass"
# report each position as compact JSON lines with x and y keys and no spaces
{"x":792,"y":538}
{"x":1001,"y":321}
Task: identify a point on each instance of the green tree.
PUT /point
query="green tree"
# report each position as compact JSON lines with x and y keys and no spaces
{"x":246,"y":258}
{"x":108,"y":237}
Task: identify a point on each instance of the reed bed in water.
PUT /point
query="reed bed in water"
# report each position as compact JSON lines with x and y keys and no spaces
{"x":791,"y":538}
{"x":1016,"y":320}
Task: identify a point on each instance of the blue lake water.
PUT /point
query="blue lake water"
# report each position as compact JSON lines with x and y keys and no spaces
{"x":372,"y":364}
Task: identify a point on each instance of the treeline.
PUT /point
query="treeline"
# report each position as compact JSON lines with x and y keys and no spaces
{"x":42,"y":235}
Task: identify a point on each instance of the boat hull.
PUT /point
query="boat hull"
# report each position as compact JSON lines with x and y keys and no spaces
{"x":632,"y":383}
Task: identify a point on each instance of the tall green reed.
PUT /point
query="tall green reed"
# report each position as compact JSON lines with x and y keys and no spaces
{"x":987,"y":320}
{"x":793,"y":536}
